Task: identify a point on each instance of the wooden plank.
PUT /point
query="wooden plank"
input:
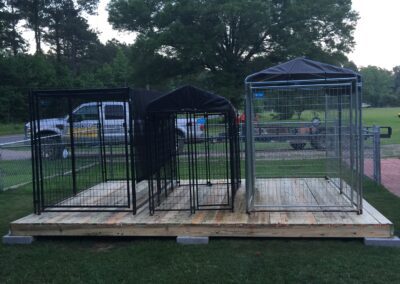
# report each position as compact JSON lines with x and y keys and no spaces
{"x":375,"y":213}
{"x":214,"y":222}
{"x":212,"y":230}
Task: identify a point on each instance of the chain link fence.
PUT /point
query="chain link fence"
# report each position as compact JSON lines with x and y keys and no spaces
{"x":371,"y":154}
{"x":15,"y":164}
{"x":16,"y":167}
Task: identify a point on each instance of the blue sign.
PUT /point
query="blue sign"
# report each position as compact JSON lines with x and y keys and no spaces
{"x":201,"y":120}
{"x":259,"y":94}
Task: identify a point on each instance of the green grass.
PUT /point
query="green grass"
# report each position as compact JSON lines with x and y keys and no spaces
{"x":384,"y":117}
{"x":116,"y":260}
{"x":15,"y":172}
{"x":11,"y":128}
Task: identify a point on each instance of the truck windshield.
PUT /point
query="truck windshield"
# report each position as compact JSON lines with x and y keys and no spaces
{"x":114,"y":111}
{"x":88,"y":112}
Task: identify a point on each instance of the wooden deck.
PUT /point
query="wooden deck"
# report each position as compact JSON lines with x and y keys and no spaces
{"x":213,"y":223}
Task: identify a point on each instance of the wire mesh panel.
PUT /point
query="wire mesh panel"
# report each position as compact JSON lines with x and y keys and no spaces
{"x":303,"y":146}
{"x":15,"y":164}
{"x":81,"y":151}
{"x":194,"y":161}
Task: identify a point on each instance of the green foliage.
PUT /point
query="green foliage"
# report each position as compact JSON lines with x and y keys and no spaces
{"x":210,"y":43}
{"x":216,"y":43}
{"x":379,"y":87}
{"x":68,"y":33}
{"x":58,"y":22}
{"x":19,"y":74}
{"x":396,"y":74}
{"x":11,"y":40}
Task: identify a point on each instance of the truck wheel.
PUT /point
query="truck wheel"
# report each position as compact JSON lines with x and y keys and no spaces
{"x":319,"y":141}
{"x":51,"y":148}
{"x":180,"y":142}
{"x":298,"y":146}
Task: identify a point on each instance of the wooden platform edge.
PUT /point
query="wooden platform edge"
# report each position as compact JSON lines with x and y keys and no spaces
{"x":209,"y":230}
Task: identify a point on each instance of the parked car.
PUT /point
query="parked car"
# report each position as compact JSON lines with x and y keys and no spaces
{"x":55,"y":132}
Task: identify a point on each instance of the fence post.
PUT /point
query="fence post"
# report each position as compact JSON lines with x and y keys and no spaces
{"x":2,"y":186}
{"x":377,"y":153}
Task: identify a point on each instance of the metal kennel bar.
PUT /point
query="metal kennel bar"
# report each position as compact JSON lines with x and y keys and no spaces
{"x":192,"y":146}
{"x":304,"y":138}
{"x":197,"y":170}
{"x":82,"y":155}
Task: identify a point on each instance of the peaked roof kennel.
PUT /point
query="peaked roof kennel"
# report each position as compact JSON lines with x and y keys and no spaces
{"x":192,"y":151}
{"x":304,"y":146}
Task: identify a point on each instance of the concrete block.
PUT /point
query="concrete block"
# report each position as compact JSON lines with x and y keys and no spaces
{"x":383,"y":242}
{"x":17,"y":240}
{"x":188,"y":240}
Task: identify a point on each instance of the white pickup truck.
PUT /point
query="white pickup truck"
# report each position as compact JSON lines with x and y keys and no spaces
{"x":86,"y":118}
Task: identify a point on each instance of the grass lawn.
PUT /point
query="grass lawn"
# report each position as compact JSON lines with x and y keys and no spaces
{"x":114,"y":260}
{"x":11,"y":128}
{"x":384,"y":117}
{"x":15,"y":172}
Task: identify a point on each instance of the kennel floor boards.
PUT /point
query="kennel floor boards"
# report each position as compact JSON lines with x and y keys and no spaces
{"x":215,"y":223}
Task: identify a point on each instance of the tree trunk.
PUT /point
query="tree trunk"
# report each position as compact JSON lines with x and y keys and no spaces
{"x":14,"y":43}
{"x":36,"y":24}
{"x":58,"y":43}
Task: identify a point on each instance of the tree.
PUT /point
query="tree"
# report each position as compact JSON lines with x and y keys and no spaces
{"x":396,"y":75}
{"x":226,"y":38}
{"x":3,"y":24}
{"x":76,"y":58}
{"x":68,"y":33}
{"x":11,"y":40}
{"x":33,"y":11}
{"x":41,"y":15}
{"x":17,"y":75}
{"x":378,"y":87}
{"x":115,"y":74}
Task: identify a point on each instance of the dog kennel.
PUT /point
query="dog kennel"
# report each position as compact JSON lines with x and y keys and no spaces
{"x":192,"y":151}
{"x":120,"y":149}
{"x":82,"y":155}
{"x":304,"y":146}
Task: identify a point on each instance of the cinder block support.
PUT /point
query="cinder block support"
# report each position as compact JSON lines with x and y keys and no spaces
{"x":17,"y":240}
{"x":383,"y":242}
{"x":188,"y":240}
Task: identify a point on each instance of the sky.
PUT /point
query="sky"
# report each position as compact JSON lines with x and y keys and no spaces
{"x":377,"y":36}
{"x":100,"y":23}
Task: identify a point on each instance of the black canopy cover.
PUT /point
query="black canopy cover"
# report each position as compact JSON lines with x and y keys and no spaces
{"x":301,"y":69}
{"x":141,"y":98}
{"x":153,"y":111}
{"x":190,"y":99}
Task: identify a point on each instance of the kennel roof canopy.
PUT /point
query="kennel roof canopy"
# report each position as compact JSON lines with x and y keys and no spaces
{"x":188,"y":99}
{"x":301,"y":69}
